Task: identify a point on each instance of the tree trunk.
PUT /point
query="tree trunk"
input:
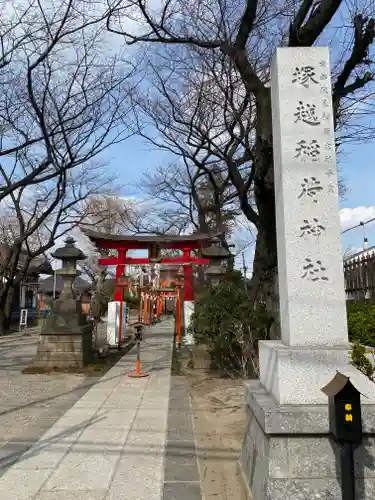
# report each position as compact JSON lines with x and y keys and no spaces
{"x":264,"y":282}
{"x":6,"y":303}
{"x":5,"y":307}
{"x":8,"y":308}
{"x":2,"y":322}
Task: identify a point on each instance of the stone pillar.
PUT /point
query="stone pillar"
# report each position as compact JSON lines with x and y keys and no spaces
{"x":287,"y":452}
{"x":113,"y":325}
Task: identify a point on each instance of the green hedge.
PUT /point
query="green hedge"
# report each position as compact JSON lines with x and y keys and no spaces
{"x":361,"y":323}
{"x":361,"y":326}
{"x":224,"y":320}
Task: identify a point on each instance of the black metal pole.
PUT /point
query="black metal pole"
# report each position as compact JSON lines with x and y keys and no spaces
{"x":347,"y":471}
{"x":138,"y":350}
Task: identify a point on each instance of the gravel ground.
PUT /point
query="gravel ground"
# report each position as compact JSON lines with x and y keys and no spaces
{"x":30,"y":404}
{"x":219,"y":425}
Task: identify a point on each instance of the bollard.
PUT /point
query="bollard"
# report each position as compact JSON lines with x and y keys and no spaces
{"x":138,"y":338}
{"x":345,"y":425}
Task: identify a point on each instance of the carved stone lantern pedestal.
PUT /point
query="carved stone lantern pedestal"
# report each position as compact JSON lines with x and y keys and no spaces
{"x":66,"y":337}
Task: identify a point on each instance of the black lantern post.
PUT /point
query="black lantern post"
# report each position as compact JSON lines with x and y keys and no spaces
{"x":345,"y":425}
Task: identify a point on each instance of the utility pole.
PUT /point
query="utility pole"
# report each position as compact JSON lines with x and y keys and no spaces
{"x":54,"y":284}
{"x":244,"y":265}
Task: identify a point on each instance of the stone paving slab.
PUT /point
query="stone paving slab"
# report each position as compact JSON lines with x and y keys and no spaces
{"x":181,"y":478}
{"x":109,"y":451}
{"x":182,"y":491}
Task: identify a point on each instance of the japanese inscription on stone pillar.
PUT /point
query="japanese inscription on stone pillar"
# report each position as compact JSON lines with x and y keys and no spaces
{"x":311,"y":283}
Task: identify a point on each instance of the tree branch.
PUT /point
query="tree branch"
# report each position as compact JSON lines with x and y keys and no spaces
{"x":246,"y":24}
{"x":364,"y":34}
{"x":321,"y":13}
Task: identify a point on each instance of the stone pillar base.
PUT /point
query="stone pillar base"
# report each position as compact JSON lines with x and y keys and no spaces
{"x":287,"y":453}
{"x":296,"y":375}
{"x":64,"y":348}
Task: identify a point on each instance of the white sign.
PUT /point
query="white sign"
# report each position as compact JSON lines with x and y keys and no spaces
{"x":23,"y":319}
{"x":113,"y":325}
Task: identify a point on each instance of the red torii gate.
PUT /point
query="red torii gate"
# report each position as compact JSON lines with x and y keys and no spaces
{"x":123,"y":243}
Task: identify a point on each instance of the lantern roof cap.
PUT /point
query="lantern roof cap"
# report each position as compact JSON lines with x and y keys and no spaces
{"x":215,"y":270}
{"x":337,"y":384}
{"x":69,"y":251}
{"x":216,"y":251}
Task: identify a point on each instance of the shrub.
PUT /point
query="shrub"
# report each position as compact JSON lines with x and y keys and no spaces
{"x":361,"y":323}
{"x":224,"y":319}
{"x":361,"y":361}
{"x":361,"y":328}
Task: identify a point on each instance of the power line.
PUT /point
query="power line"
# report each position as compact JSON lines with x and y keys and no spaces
{"x":361,"y":224}
{"x":244,"y":248}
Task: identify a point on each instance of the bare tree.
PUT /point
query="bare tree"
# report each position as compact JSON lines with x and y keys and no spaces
{"x":185,"y":200}
{"x":63,"y":96}
{"x":40,"y":215}
{"x":246,"y":35}
{"x":63,"y":102}
{"x":197,"y":185}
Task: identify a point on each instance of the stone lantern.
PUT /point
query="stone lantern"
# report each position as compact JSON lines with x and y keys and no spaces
{"x":66,"y":337}
{"x":69,"y":255}
{"x":218,"y":256}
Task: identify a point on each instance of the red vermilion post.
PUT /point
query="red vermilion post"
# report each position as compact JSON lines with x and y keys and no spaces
{"x":119,"y":291}
{"x":188,"y":278}
{"x":120,"y":318}
{"x":145,"y":299}
{"x":150,"y":310}
{"x":178,"y":318}
{"x":120,"y":269}
{"x":139,"y":305}
{"x":188,"y":295}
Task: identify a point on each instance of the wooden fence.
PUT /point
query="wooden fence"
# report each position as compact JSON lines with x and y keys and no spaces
{"x":359,"y":275}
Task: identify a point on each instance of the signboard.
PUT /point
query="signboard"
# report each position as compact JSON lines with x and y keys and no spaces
{"x":23,"y":319}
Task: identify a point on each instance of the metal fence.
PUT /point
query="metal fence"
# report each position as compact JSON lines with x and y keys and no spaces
{"x":359,"y":275}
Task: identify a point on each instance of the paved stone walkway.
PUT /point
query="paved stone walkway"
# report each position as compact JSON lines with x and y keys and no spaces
{"x":117,"y":442}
